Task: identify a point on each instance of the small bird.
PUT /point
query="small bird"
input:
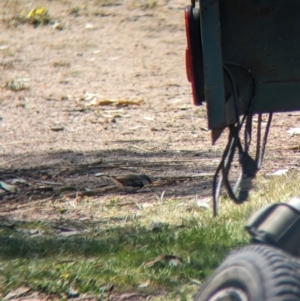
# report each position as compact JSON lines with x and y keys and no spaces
{"x":131,"y":183}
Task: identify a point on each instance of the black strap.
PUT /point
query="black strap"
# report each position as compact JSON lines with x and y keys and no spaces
{"x":249,"y":166}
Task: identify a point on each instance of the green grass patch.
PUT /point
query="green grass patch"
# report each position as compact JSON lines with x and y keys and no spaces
{"x":122,"y":249}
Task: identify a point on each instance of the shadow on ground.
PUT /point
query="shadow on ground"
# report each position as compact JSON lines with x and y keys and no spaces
{"x":68,"y":173}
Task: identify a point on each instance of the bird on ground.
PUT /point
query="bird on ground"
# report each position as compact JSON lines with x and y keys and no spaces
{"x":132,"y":182}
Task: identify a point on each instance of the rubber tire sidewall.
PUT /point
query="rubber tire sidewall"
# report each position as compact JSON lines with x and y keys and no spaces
{"x":240,"y":274}
{"x":262,"y":272}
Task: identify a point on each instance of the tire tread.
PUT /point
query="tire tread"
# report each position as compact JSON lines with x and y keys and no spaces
{"x":278,"y":270}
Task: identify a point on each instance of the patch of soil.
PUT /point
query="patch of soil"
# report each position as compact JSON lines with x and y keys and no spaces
{"x":52,"y":131}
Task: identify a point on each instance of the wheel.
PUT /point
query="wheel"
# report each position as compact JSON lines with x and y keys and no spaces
{"x":254,"y":273}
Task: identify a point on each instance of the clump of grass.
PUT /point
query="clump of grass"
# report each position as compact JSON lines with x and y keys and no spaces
{"x":36,"y":17}
{"x":116,"y":248}
{"x":61,"y":64}
{"x":17,"y":85}
{"x":75,"y":11}
{"x":107,"y":2}
{"x":144,"y":4}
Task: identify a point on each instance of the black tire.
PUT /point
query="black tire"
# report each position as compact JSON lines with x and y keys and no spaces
{"x":254,"y":273}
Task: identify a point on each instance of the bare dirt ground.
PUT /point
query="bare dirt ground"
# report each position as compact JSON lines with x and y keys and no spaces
{"x":56,"y":138}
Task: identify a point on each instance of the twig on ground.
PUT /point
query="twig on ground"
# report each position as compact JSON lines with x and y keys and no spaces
{"x":142,"y":148}
{"x":13,"y":160}
{"x":96,"y":191}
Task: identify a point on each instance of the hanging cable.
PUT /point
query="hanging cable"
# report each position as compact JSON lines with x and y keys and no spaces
{"x":249,"y":166}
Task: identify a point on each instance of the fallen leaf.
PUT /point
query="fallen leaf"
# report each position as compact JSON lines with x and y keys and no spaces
{"x":8,"y":187}
{"x":295,"y":148}
{"x":172,"y":260}
{"x":117,"y":102}
{"x":203,"y":202}
{"x":145,"y":284}
{"x":32,"y":232}
{"x":126,"y":102}
{"x":16,"y":293}
{"x":162,"y":196}
{"x":293,"y":131}
{"x":100,"y":102}
{"x":175,"y":262}
{"x":73,"y":293}
{"x":99,"y":174}
{"x":279,"y":172}
{"x":57,"y":25}
{"x":89,"y":26}
{"x":67,"y":234}
{"x":144,"y":206}
{"x":196,"y":281}
{"x":57,"y":128}
{"x":137,"y":127}
{"x":129,"y":296}
{"x":93,"y":162}
{"x":107,"y":288}
{"x":16,"y":85}
{"x":18,"y":181}
{"x":111,"y":116}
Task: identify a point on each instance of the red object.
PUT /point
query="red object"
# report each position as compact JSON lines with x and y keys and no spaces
{"x":188,"y":51}
{"x":193,"y":53}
